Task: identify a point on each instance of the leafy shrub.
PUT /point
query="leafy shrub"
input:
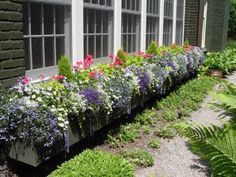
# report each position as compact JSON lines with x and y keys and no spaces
{"x":65,"y":68}
{"x":95,"y":163}
{"x":166,"y":132}
{"x":152,"y":48}
{"x":155,"y":143}
{"x":139,"y":157}
{"x":224,"y":61}
{"x":216,"y":144}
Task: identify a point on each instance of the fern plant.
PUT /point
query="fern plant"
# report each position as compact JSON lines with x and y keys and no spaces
{"x":216,"y":144}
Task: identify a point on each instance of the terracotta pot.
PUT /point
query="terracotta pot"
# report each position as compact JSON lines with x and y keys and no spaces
{"x":215,"y":73}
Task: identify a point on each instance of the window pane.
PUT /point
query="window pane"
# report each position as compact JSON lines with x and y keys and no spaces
{"x":27,"y":54}
{"x":26,"y":18}
{"x":105,"y":22}
{"x":60,"y":17}
{"x":109,"y":3}
{"x":85,"y":20}
{"x":91,"y":45}
{"x":85,"y":46}
{"x":37,"y":53}
{"x":91,"y":20}
{"x":98,"y":47}
{"x":36,"y":18}
{"x":105,"y":46}
{"x":48,"y":19}
{"x":49,"y":51}
{"x":60,"y":50}
{"x":98,"y":22}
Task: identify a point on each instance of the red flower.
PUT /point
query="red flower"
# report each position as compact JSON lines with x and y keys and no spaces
{"x":88,"y":60}
{"x":92,"y":74}
{"x":58,"y":77}
{"x":25,"y":81}
{"x":86,"y":66}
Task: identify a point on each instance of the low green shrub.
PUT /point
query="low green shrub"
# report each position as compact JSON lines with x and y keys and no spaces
{"x":93,"y":163}
{"x":65,"y":68}
{"x":166,"y":132}
{"x":155,"y":143}
{"x":139,"y":157}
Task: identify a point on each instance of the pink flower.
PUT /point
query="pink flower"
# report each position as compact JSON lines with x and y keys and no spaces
{"x":140,"y":53}
{"x":41,"y":77}
{"x":92,"y":74}
{"x":88,"y":60}
{"x":86,"y":66}
{"x":111,"y":56}
{"x":100,"y":71}
{"x":76,"y":68}
{"x":25,"y":81}
{"x":79,"y":63}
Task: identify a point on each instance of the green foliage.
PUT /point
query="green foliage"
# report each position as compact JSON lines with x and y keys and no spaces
{"x":216,"y":144}
{"x":152,"y":48}
{"x":166,"y":132}
{"x":95,"y":164}
{"x":154,"y":143}
{"x":231,"y":44}
{"x":125,"y":134}
{"x":175,"y":106}
{"x":121,"y":54}
{"x":65,"y":68}
{"x":186,"y":99}
{"x":224,"y":61}
{"x":139,"y":157}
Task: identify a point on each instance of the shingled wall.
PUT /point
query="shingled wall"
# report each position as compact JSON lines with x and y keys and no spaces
{"x":11,"y":42}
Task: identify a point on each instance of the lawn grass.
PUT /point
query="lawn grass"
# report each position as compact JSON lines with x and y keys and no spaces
{"x":231,"y":44}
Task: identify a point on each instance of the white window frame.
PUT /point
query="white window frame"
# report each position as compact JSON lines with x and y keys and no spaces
{"x":47,"y":72}
{"x":135,"y":15}
{"x":109,"y":34}
{"x":153,"y":16}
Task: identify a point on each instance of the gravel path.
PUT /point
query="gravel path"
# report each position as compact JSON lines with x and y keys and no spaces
{"x":174,"y":159}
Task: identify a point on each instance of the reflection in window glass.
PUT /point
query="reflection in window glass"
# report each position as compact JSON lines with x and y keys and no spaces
{"x":60,"y":47}
{"x":48,"y":19}
{"x":37,"y":53}
{"x":49,"y":51}
{"x":36,"y":18}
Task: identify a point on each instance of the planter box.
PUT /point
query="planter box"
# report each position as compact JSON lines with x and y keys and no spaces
{"x":80,"y":129}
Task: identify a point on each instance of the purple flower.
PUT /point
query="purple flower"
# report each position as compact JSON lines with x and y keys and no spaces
{"x":92,"y":96}
{"x":172,"y":65}
{"x":144,"y":81}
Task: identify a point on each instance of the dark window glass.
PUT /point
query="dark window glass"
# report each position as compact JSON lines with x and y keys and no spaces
{"x":27,"y":54}
{"x":49,"y":51}
{"x":60,"y":17}
{"x":60,"y":47}
{"x":36,"y":18}
{"x":48,"y":19}
{"x":37,"y":53}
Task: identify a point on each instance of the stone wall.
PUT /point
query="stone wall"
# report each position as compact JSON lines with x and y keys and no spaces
{"x":11,"y":42}
{"x":191,"y":21}
{"x":217,"y":24}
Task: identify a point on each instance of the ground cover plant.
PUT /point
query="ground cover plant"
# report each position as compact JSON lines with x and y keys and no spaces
{"x":90,"y":91}
{"x":95,"y":163}
{"x":223,"y":60}
{"x":178,"y":105}
{"x":139,"y":157}
{"x":213,"y":143}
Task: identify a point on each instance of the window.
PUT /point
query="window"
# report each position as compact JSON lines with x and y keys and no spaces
{"x":152,"y":21}
{"x":168,"y":22}
{"x":130,"y":25}
{"x":46,"y":37}
{"x":179,"y":22}
{"x":98,"y":27}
